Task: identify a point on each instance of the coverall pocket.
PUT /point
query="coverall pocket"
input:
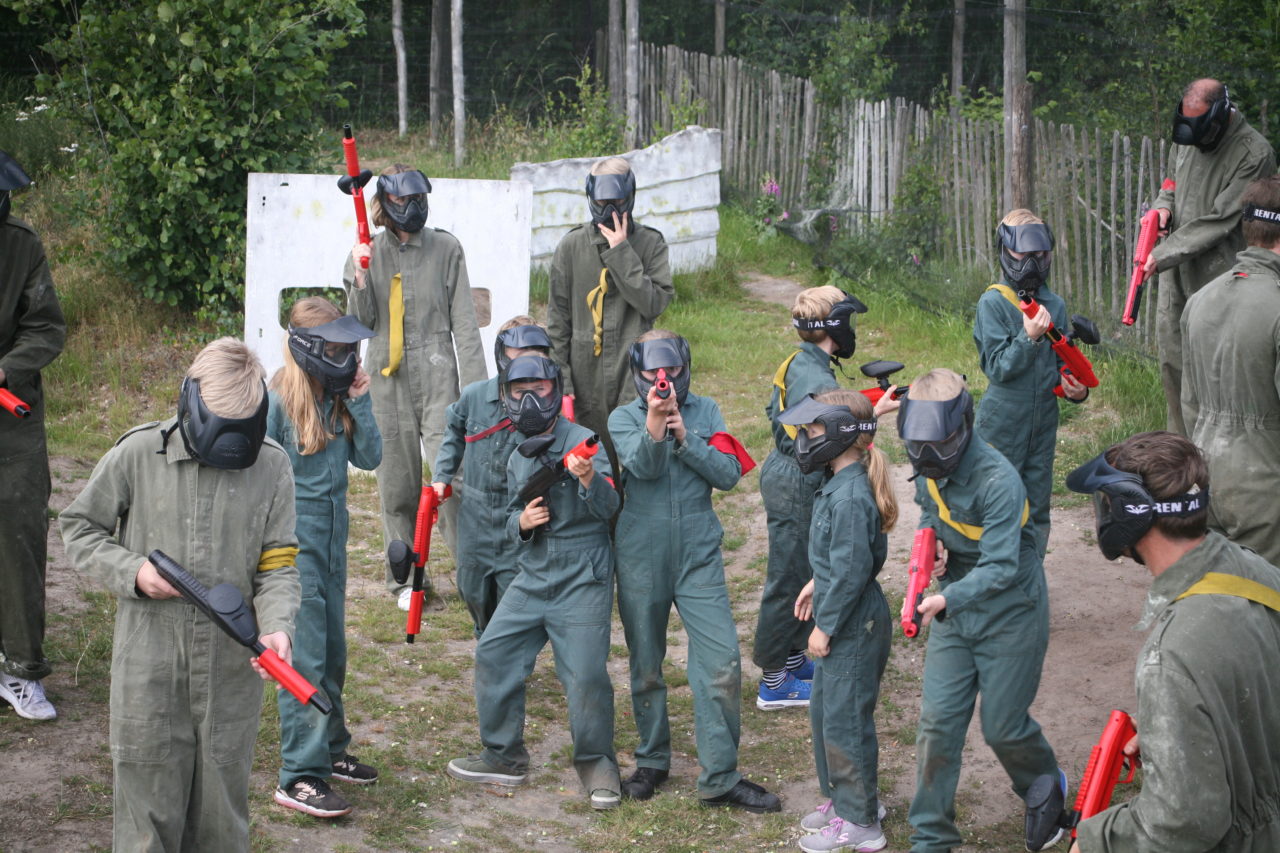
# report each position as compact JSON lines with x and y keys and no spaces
{"x":142,"y":686}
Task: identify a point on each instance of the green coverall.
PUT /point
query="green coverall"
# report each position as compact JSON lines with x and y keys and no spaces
{"x":409,"y":405}
{"x":992,"y":641}
{"x":639,"y":290}
{"x":562,"y":592}
{"x":668,"y":547}
{"x":310,"y":741}
{"x":1204,"y":226}
{"x":1018,"y":414}
{"x":1231,"y":396}
{"x":788,"y":503}
{"x":847,"y":550}
{"x":185,"y":702}
{"x":485,"y":557}
{"x":32,"y":332}
{"x":1208,"y":717}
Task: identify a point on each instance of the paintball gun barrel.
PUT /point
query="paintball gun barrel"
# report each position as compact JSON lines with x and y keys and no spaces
{"x":924,"y":550}
{"x":1148,"y":233}
{"x":402,"y":558}
{"x":352,"y":183}
{"x":14,"y":404}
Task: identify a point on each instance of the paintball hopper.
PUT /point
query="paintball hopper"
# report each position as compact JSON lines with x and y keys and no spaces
{"x":1084,"y":330}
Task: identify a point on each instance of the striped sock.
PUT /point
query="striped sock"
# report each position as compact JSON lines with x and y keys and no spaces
{"x":796,"y":660}
{"x":773,"y":678}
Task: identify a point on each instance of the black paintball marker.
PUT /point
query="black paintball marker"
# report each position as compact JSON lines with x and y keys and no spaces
{"x":880,"y":371}
{"x":552,"y":470}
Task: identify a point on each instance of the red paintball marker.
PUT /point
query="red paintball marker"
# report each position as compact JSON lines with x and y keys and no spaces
{"x":1046,"y":806}
{"x":924,"y":550}
{"x":662,"y":384}
{"x":880,"y":371}
{"x":352,"y":183}
{"x":402,"y":557}
{"x":1074,"y":363}
{"x":1148,"y":233}
{"x":226,"y":607}
{"x":13,"y":403}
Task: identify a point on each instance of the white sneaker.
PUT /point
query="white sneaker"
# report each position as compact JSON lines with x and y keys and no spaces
{"x":403,"y":602}
{"x":27,"y":698}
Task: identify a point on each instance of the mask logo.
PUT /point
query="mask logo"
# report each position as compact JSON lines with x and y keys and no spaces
{"x":1137,"y":509}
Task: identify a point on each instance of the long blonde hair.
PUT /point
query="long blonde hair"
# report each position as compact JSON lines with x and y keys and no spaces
{"x":872,"y":457}
{"x":300,"y":393}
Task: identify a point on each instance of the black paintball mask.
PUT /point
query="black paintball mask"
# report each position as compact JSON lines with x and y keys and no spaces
{"x":610,"y":194}
{"x":330,"y":352}
{"x":227,"y":443}
{"x":1206,"y":130}
{"x":519,"y":337}
{"x":530,"y":413}
{"x":838,"y":324}
{"x":1123,"y":508}
{"x":410,"y":213}
{"x":936,"y":433}
{"x":670,"y":355}
{"x":1026,"y":275}
{"x":11,"y":178}
{"x":841,"y":430}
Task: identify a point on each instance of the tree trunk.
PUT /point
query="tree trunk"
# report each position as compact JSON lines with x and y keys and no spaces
{"x":402,"y":72}
{"x":720,"y":27}
{"x":616,"y":68}
{"x":957,"y":56}
{"x":435,"y":63}
{"x":633,"y":73}
{"x":1019,"y":189}
{"x":459,"y":101}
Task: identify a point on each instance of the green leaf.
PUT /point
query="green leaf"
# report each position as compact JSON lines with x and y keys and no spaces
{"x":187,"y":39}
{"x":164,"y":12}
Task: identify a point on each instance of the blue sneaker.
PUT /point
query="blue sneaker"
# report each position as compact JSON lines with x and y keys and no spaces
{"x":804,"y":672}
{"x":792,"y":693}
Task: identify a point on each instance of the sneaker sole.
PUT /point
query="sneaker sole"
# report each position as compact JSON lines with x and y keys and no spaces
{"x":490,"y":778}
{"x":354,"y":780}
{"x":605,"y":805}
{"x":21,"y":711}
{"x":880,"y":814}
{"x":779,"y":704}
{"x":741,"y":807}
{"x":865,"y":847}
{"x":288,"y":802}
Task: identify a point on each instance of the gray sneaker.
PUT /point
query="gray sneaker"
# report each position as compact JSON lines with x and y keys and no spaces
{"x":815,"y":820}
{"x":840,"y":836}
{"x":27,"y":697}
{"x":475,"y":769}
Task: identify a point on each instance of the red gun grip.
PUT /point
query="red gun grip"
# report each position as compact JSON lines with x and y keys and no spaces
{"x":286,"y":675}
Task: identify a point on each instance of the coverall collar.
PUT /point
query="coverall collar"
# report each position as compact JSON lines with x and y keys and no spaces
{"x":846,"y":475}
{"x":492,"y":393}
{"x":171,"y":444}
{"x":1257,"y":259}
{"x":1176,"y":579}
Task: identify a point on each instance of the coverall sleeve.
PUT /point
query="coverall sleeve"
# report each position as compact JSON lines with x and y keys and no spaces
{"x":462,"y":319}
{"x":721,"y":470}
{"x":849,"y":561}
{"x":560,"y":312}
{"x":997,"y":566}
{"x":1004,"y":350}
{"x":366,"y":443}
{"x":601,"y":497}
{"x":90,"y":523}
{"x":641,"y":456}
{"x":41,"y":330}
{"x":644,"y":283}
{"x":1185,"y":802}
{"x":1165,"y":198}
{"x":361,"y":301}
{"x":454,"y":443}
{"x":277,"y":592}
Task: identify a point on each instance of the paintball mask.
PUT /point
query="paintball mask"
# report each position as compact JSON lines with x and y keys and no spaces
{"x":672,"y":354}
{"x":11,"y":178}
{"x":519,"y":337}
{"x":610,"y":194}
{"x":330,"y":352}
{"x":841,"y":430}
{"x":227,"y":443}
{"x":1028,"y":273}
{"x":1123,"y":508}
{"x":531,"y":413}
{"x":838,"y":324}
{"x":936,"y":433}
{"x":409,"y":214}
{"x":1206,"y":130}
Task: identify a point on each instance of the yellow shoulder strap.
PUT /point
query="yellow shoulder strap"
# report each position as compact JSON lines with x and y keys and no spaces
{"x":1007,"y":292}
{"x":968,"y":531}
{"x":1219,"y":583}
{"x":780,"y":382}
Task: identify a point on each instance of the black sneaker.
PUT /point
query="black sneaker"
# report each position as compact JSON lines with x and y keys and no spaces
{"x":349,"y":769}
{"x":643,"y":783}
{"x":748,"y":796}
{"x":313,"y":796}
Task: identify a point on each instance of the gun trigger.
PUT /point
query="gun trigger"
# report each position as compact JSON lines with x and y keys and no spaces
{"x":1133,"y":766}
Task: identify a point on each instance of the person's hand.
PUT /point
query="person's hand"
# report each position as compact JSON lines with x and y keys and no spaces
{"x":358,"y":251}
{"x":1075,"y":847}
{"x":887,"y":404}
{"x":580,"y":467}
{"x":819,"y":643}
{"x":439,"y":490}
{"x":359,"y":385}
{"x":930,"y":607}
{"x":152,"y":585}
{"x":1163,"y":214}
{"x":1073,"y":389}
{"x":618,"y":233}
{"x":535,"y":514}
{"x":1036,"y":326}
{"x":278,"y":642}
{"x":1132,"y":749}
{"x":940,"y":561}
{"x":675,"y":423}
{"x":804,"y":603}
{"x":1149,"y":267}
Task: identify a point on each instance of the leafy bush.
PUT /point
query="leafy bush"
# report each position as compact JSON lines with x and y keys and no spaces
{"x":586,"y":127}
{"x":188,"y":96}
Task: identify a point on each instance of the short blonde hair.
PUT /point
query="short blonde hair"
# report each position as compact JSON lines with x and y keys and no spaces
{"x":815,"y":303}
{"x":518,"y":320}
{"x":231,"y":378}
{"x":377,"y":215}
{"x":938,"y":385}
{"x":1020,"y":216}
{"x":611,"y":166}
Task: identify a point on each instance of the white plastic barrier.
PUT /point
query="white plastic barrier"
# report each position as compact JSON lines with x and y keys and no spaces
{"x":677,"y":192}
{"x":301,"y":228}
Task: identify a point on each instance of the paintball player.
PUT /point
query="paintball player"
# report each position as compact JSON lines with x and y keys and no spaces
{"x":416,"y":297}
{"x":989,"y":625}
{"x":674,"y":450}
{"x":609,"y":282}
{"x":32,"y":333}
{"x":562,"y":592}
{"x":1217,"y":155}
{"x":1231,"y":379}
{"x":320,"y":414}
{"x":1208,"y":691}
{"x":211,"y":491}
{"x":1019,"y":411}
{"x":479,"y":433}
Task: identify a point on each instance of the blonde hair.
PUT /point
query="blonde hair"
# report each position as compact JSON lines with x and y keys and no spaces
{"x":815,"y":303}
{"x":656,"y":335}
{"x":938,"y":385}
{"x":871,"y":457}
{"x":1020,"y":216}
{"x":300,"y":391}
{"x":377,"y":215}
{"x":230,"y":377}
{"x":611,"y":166}
{"x":518,"y":320}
